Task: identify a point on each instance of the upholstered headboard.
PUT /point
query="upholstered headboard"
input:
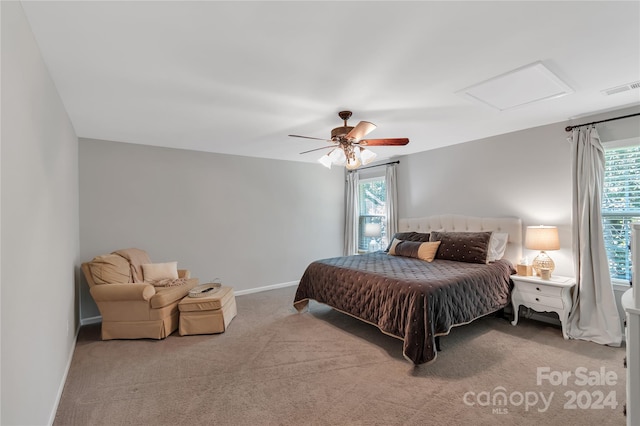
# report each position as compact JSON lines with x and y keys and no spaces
{"x":460,"y":223}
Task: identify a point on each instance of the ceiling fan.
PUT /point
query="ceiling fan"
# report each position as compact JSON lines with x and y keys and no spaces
{"x":349,"y":146}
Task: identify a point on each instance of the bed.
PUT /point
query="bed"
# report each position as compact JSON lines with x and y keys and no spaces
{"x":418,"y":300}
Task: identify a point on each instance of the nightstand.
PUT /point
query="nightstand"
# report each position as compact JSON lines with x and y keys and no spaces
{"x":553,"y":295}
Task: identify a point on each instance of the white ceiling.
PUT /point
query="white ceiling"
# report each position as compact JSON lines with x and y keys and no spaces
{"x":238,"y":77}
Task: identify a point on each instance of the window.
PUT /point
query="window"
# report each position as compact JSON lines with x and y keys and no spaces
{"x":620,"y":205}
{"x":372,"y":221}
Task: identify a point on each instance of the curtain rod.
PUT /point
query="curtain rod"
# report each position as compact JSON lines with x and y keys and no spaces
{"x":377,"y":165}
{"x":570,"y":128}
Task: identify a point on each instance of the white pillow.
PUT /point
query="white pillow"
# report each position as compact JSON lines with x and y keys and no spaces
{"x":497,"y":246}
{"x":160,"y":271}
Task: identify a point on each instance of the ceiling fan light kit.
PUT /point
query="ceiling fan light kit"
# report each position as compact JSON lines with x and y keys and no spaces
{"x":354,"y":157}
{"x":326,"y":161}
{"x":367,"y":155}
{"x":349,"y":147}
{"x":336,"y":156}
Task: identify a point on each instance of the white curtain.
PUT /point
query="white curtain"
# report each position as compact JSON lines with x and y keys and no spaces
{"x":594,"y":315}
{"x":392,"y":201}
{"x":351,"y":215}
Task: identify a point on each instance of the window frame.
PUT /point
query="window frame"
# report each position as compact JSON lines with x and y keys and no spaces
{"x":383,"y":220}
{"x":610,"y":145}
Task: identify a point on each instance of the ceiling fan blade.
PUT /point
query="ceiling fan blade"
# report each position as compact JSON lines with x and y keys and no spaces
{"x":361,"y":130}
{"x":309,"y":137}
{"x":318,"y":149}
{"x":381,"y":142}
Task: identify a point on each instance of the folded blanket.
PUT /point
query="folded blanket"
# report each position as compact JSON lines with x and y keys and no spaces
{"x":169,"y":282}
{"x":136,"y":258}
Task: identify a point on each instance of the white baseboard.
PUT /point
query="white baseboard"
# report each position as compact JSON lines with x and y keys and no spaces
{"x":91,"y":320}
{"x":97,"y":319}
{"x":548,"y":317}
{"x":266,"y":288}
{"x":52,"y":416}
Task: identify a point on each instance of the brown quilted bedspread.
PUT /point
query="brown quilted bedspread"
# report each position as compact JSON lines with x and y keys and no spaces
{"x":408,"y":298}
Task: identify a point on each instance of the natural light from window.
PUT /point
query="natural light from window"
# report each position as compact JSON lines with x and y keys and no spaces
{"x":372,"y":223}
{"x":620,"y":205}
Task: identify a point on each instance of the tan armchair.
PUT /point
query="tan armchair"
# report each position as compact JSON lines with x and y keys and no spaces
{"x":130,"y":307}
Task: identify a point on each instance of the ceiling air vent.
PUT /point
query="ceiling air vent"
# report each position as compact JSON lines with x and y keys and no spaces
{"x":623,"y":88}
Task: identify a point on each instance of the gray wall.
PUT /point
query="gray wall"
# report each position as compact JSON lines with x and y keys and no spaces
{"x":525,"y":174}
{"x":40,"y":244}
{"x":251,"y":222}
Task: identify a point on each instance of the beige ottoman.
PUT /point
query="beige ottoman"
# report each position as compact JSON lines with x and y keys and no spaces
{"x":207,"y":315}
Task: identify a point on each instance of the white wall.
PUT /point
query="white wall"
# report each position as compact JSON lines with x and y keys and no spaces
{"x":39,"y":221}
{"x":251,"y":222}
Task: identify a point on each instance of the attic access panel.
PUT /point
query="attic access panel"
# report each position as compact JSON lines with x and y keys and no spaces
{"x":522,"y":86}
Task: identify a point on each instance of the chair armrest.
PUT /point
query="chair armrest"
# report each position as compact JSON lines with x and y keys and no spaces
{"x":122,"y":292}
{"x":184,"y":273}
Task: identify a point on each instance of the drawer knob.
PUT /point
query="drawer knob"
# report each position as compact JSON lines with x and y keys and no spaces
{"x":537,"y":300}
{"x":625,"y":362}
{"x":538,"y":288}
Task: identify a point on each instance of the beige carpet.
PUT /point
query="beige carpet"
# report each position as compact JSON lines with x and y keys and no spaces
{"x":277,"y":367}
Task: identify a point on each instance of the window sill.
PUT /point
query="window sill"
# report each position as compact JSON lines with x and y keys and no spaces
{"x":620,"y":285}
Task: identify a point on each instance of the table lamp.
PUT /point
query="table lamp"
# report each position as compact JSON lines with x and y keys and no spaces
{"x":542,"y":238}
{"x":373,"y":231}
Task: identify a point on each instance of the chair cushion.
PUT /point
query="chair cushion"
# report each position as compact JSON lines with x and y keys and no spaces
{"x":208,"y":303}
{"x":110,"y":269}
{"x":166,"y":295}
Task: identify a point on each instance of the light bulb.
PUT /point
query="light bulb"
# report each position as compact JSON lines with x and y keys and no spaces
{"x":353,"y":163}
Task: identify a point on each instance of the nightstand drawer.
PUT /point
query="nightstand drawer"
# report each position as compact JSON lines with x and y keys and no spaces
{"x":553,"y":295}
{"x":539,"y":299}
{"x":540,"y":289}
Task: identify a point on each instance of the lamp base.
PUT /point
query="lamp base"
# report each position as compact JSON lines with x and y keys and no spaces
{"x":543,"y":261}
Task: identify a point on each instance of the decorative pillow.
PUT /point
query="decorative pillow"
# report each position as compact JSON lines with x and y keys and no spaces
{"x":470,"y":247}
{"x":427,"y":251}
{"x":393,"y":245}
{"x":415,"y":249}
{"x":410,"y":236}
{"x":110,"y":269}
{"x":497,"y":246}
{"x":160,"y":271}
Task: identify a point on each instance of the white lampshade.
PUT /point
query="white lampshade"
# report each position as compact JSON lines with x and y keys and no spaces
{"x":325,"y":160}
{"x":367,"y":155}
{"x":542,"y":238}
{"x":372,"y":230}
{"x":351,"y":156}
{"x":338,"y":157}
